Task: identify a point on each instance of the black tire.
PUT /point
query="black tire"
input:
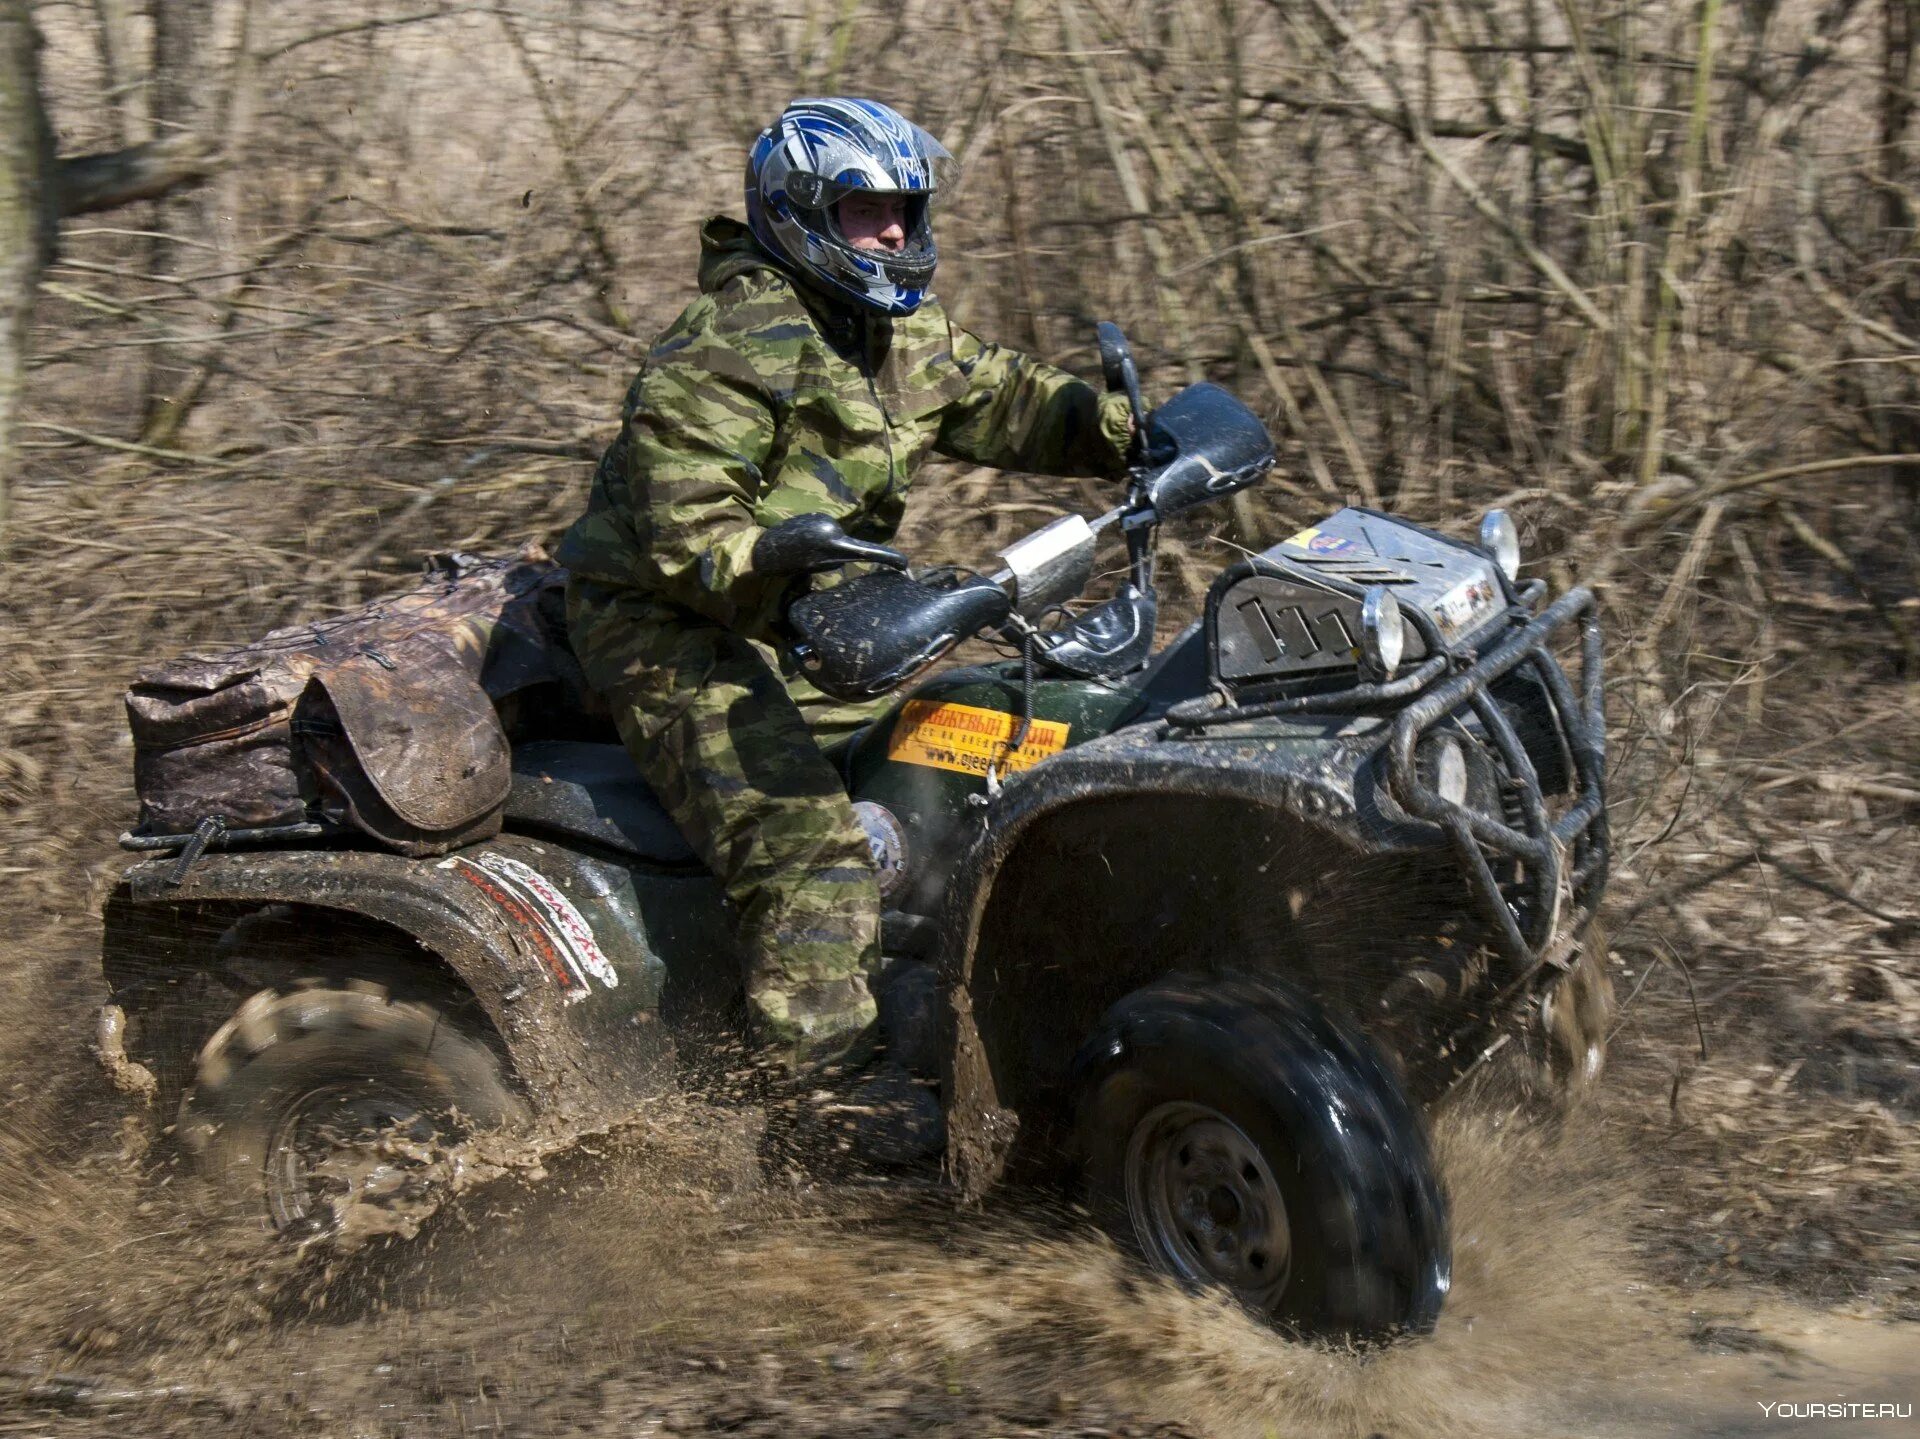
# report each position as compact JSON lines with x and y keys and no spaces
{"x":292,"y":1070}
{"x":1236,"y":1137}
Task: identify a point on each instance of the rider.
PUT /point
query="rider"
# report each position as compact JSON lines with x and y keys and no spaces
{"x":812,"y":376}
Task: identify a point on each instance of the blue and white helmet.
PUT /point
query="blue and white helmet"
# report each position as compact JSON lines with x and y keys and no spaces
{"x":818,"y":152}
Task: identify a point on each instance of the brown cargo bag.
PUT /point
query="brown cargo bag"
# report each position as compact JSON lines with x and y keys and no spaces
{"x":383,"y":720}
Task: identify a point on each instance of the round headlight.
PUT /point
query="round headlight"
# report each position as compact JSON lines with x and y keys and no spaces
{"x":1499,"y":538}
{"x":1383,"y":634}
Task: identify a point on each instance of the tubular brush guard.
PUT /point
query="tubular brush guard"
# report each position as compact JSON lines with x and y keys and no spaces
{"x":1564,"y":858}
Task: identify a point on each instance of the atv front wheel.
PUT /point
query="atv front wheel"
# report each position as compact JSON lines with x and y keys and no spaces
{"x":1235,"y":1137}
{"x":293,"y":1077}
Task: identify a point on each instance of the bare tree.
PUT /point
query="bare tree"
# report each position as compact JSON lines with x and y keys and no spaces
{"x":26,"y":214}
{"x":109,"y":39}
{"x":36,"y":190}
{"x":182,"y":40}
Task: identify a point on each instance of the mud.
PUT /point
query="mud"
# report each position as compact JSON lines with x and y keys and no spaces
{"x":1725,"y":1230}
{"x":643,"y":1281}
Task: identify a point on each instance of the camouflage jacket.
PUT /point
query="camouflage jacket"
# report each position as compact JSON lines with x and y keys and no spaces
{"x":764,"y":401}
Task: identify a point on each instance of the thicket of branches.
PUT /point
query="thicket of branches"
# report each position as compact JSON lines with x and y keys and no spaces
{"x":1642,"y":272}
{"x":1634,"y":256}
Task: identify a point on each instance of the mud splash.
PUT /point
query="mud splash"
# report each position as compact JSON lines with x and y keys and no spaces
{"x":631,"y":1283}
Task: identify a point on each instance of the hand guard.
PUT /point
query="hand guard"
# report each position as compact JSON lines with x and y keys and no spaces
{"x":862,"y":638}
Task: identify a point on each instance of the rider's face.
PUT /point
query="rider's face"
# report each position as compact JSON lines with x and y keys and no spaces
{"x":874,"y":222}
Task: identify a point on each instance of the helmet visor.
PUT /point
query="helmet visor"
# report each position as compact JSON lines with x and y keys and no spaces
{"x":920,"y":167}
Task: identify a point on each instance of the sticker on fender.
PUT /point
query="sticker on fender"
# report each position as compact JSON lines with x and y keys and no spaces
{"x":559,"y":933}
{"x":968,"y":739}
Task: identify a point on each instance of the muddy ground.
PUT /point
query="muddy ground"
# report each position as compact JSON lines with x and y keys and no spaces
{"x":623,"y":1289}
{"x":1732,"y":1221}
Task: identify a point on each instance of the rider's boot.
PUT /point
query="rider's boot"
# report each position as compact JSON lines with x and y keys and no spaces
{"x":862,"y":1074}
{"x":885,"y":1115}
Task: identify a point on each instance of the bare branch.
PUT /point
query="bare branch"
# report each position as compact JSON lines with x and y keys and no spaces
{"x":336,"y":32}
{"x":1658,"y":514}
{"x":86,"y":184}
{"x":1564,"y":146}
{"x":1548,"y":267}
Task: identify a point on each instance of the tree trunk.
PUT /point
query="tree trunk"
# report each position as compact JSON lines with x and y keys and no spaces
{"x":1900,"y":22}
{"x":109,"y":39}
{"x":26,"y":214}
{"x":182,"y":46}
{"x":1896,"y":110}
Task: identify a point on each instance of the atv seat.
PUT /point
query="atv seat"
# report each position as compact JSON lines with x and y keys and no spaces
{"x":591,"y":792}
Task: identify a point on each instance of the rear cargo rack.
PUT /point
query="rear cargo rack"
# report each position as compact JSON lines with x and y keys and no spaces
{"x":228,"y":838}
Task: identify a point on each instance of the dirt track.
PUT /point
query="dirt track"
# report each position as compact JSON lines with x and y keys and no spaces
{"x":612,"y":1295}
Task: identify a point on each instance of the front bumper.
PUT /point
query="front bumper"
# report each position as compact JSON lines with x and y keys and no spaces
{"x":1557,"y":863}
{"x":1536,"y":866}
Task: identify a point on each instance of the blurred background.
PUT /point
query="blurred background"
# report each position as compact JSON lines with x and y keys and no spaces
{"x":1643,"y":273}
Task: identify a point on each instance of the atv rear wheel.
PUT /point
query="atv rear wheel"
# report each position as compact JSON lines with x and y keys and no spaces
{"x":294,"y":1076}
{"x":1237,"y":1138}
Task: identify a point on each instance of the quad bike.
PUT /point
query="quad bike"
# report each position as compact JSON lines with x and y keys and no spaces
{"x":1197,"y":931}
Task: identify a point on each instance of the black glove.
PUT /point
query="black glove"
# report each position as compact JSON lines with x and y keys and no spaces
{"x":806,"y":544}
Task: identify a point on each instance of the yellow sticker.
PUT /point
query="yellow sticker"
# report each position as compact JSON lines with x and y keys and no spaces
{"x":1300,"y":540}
{"x":970,"y":740}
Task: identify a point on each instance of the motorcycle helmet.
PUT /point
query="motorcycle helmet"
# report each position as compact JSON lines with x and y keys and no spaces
{"x":814,"y":155}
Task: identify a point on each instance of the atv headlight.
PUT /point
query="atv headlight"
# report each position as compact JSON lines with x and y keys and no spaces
{"x":1499,"y":538}
{"x":1383,"y":634}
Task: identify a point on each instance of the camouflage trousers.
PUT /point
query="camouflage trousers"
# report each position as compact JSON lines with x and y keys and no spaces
{"x":733,"y":750}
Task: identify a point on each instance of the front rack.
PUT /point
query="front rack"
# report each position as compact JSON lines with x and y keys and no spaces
{"x":1561,"y":860}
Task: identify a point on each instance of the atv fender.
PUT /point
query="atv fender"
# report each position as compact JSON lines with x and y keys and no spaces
{"x":582,"y":1045}
{"x":1110,"y":846}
